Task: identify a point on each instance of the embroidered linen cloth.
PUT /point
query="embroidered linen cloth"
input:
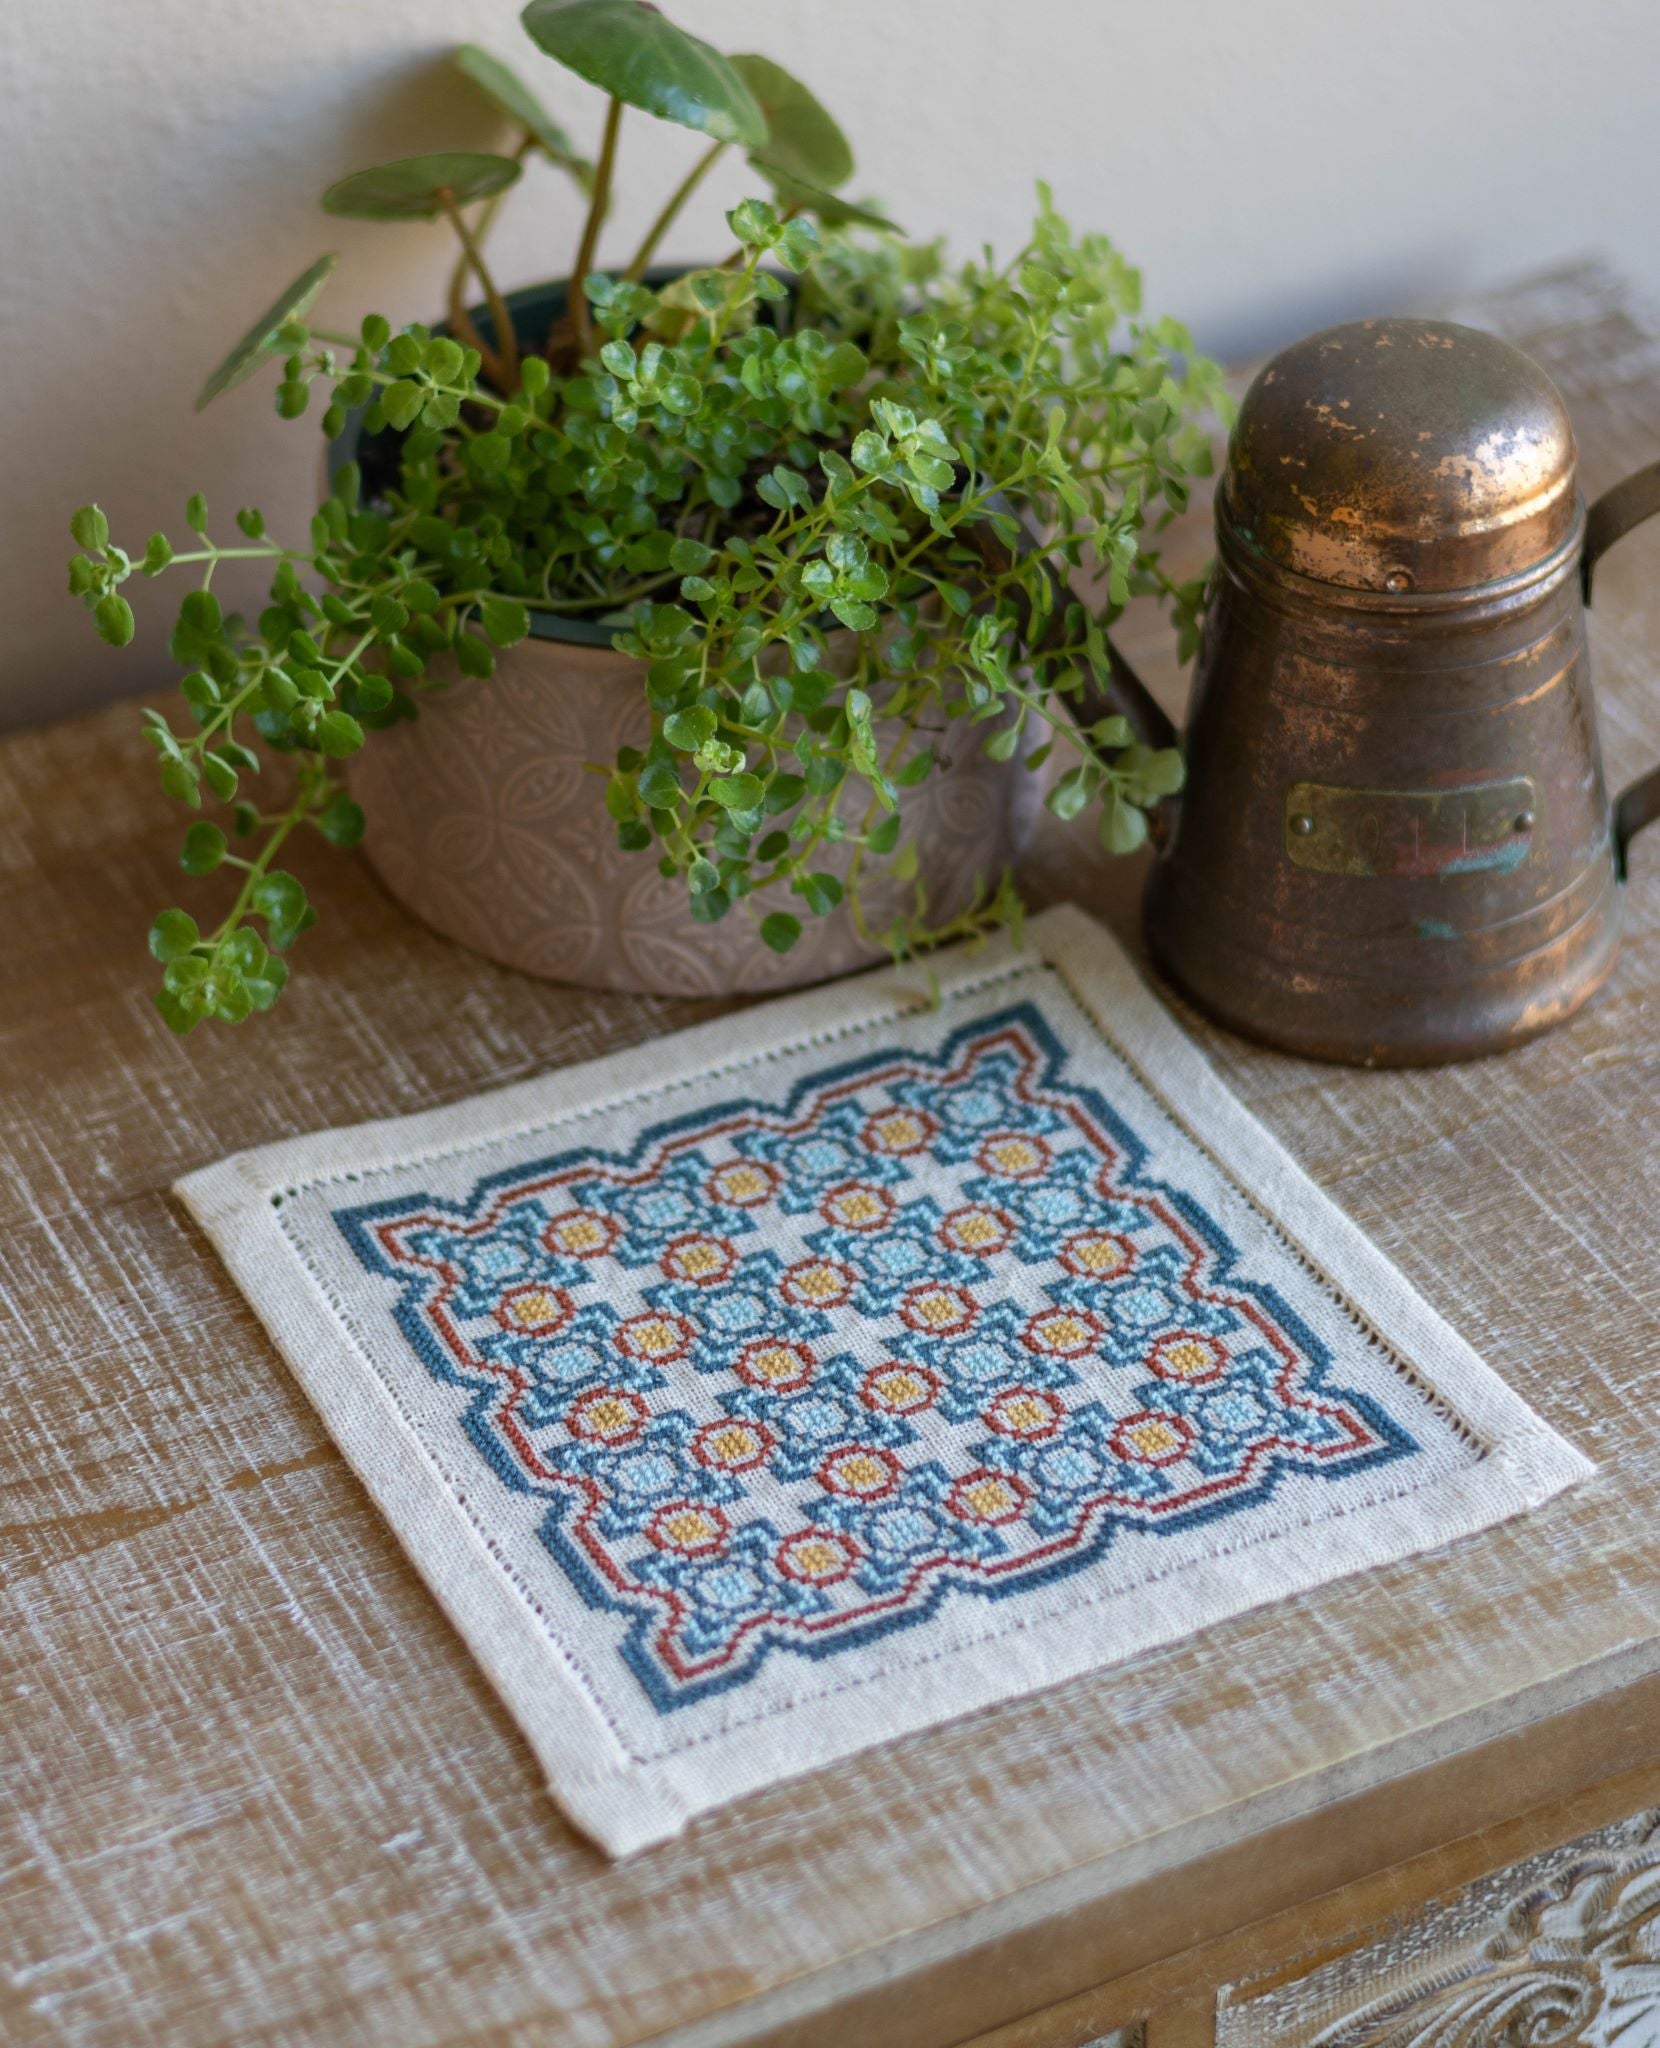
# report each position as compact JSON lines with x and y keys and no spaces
{"x":824,"y":1373}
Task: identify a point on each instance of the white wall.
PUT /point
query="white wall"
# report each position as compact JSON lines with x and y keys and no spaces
{"x":1272,"y":164}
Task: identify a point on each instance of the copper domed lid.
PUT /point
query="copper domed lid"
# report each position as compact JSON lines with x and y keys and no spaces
{"x":1401,"y":455}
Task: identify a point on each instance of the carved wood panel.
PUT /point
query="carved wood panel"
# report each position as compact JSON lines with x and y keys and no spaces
{"x":1560,"y":1951}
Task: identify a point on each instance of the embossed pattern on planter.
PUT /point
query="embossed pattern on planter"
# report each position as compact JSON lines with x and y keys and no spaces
{"x":485,"y":820}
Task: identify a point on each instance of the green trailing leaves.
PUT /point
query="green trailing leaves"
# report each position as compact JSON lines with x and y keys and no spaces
{"x":738,"y":792}
{"x":279,"y":898}
{"x":338,"y":734}
{"x":821,"y":893}
{"x":795,"y":489}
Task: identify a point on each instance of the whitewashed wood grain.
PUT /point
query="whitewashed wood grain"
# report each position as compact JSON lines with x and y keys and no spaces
{"x":252,"y":1789}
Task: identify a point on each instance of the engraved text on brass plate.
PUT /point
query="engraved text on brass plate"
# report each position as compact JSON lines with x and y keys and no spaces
{"x":1472,"y":829}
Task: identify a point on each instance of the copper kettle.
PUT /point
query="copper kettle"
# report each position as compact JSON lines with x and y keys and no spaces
{"x":1394,"y":846}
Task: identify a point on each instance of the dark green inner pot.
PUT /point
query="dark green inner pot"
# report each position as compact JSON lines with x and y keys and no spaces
{"x":533,"y":311}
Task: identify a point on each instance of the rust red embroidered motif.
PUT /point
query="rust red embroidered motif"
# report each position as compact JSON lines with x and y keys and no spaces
{"x":788,"y":1377}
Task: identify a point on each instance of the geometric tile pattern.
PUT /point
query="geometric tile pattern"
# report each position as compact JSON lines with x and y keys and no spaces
{"x":790,"y":1375}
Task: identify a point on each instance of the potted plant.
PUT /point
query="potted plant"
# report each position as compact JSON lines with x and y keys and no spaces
{"x":731,"y":601}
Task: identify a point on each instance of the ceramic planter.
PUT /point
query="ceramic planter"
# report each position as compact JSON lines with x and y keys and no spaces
{"x":486,"y":820}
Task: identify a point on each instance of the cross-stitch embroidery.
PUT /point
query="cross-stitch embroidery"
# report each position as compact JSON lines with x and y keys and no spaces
{"x":788,"y":1377}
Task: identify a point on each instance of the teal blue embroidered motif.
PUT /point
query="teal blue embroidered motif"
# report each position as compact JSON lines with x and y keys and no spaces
{"x":788,"y":1375}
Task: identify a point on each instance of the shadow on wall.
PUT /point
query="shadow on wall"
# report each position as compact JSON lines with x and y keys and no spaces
{"x":1440,"y":274}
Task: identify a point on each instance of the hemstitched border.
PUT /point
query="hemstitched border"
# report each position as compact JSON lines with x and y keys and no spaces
{"x":629,"y":1797}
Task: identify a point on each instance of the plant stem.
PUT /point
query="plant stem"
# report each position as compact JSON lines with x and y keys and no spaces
{"x":343,"y":662}
{"x":224,"y":716}
{"x":666,"y":219}
{"x":267,"y":853}
{"x":501,"y":363}
{"x":213,"y":554}
{"x":486,"y":219}
{"x":462,"y":327}
{"x":717,"y":329}
{"x":576,"y":309}
{"x":875,"y":805}
{"x":607,"y":601}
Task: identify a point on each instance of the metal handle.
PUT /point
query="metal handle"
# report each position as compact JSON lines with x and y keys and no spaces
{"x":1610,"y":519}
{"x":1613,"y":516}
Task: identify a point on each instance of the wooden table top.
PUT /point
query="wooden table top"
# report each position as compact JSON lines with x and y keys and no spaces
{"x":252,"y":1788}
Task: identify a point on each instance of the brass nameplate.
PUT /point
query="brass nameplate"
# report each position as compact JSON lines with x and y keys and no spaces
{"x":1477,"y":828}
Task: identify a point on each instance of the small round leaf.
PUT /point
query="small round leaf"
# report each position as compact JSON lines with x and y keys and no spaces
{"x":219,"y":776}
{"x":690,"y":729}
{"x":630,"y":50}
{"x":90,"y":529}
{"x":204,"y":848}
{"x":341,"y":823}
{"x":504,"y":619}
{"x":113,"y":617}
{"x":280,"y":900}
{"x":737,"y":792}
{"x":1123,"y":827}
{"x":659,"y":785}
{"x":178,"y":780}
{"x":412,"y":188}
{"x":338,"y":733}
{"x":1163,"y":772}
{"x":822,"y":893}
{"x":173,"y":934}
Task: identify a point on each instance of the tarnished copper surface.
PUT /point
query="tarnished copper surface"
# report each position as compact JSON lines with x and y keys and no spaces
{"x":1401,"y":455}
{"x":1395,"y":846}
